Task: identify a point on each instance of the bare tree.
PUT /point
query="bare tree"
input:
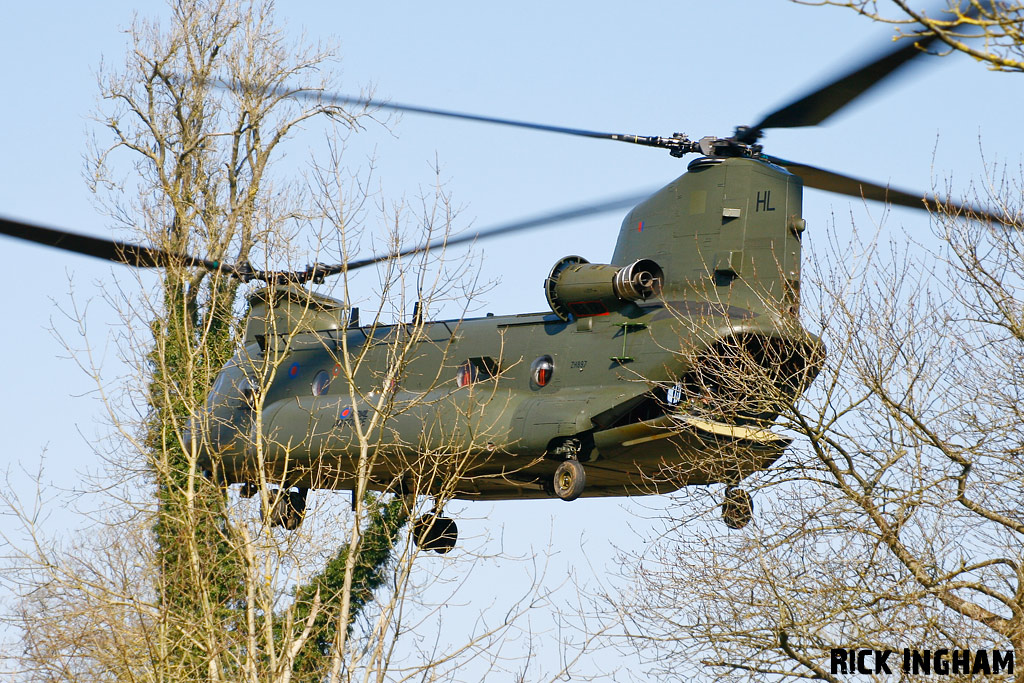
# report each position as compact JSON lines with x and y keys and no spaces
{"x":894,"y":520}
{"x":201,"y":184}
{"x":195,"y":583}
{"x":988,"y":30}
{"x":893,"y":523}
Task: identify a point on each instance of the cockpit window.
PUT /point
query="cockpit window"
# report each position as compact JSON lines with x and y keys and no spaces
{"x":232,"y":384}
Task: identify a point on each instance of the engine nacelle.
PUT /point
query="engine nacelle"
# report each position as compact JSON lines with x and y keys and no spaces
{"x":579,"y":288}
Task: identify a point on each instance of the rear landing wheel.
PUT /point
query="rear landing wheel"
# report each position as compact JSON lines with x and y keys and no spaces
{"x":738,"y":508}
{"x":570,"y":479}
{"x":433,"y":532}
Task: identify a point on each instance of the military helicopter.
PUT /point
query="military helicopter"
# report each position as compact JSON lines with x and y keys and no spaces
{"x":662,"y":369}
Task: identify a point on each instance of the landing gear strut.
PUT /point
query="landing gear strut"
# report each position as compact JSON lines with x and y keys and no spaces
{"x":288,"y":508}
{"x":434,"y":532}
{"x":738,"y":508}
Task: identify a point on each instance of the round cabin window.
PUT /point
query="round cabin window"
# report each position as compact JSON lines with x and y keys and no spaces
{"x":247,"y":390}
{"x":541,"y":371}
{"x":466,"y":374}
{"x":321,"y":382}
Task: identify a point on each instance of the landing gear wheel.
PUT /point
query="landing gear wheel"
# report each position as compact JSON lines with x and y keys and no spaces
{"x":738,"y":508}
{"x":569,"y":480}
{"x":432,"y":532}
{"x":548,"y":484}
{"x":447,"y":536}
{"x":289,"y":509}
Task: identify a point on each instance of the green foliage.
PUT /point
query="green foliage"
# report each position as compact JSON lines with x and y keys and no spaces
{"x":202,"y":574}
{"x":385,"y":519}
{"x":200,"y":163}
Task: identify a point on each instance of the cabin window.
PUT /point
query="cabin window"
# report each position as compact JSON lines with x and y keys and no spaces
{"x":478,"y":369}
{"x":541,"y":371}
{"x":321,"y":382}
{"x":248,"y":390}
{"x":466,"y":374}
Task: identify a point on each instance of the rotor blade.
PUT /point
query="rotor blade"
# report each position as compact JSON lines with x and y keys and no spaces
{"x":319,"y":97}
{"x":820,"y":104}
{"x":504,"y":229}
{"x":111,"y":250}
{"x":830,"y":181}
{"x":431,"y":111}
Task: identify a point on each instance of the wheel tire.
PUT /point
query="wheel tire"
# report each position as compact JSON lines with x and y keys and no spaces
{"x":433,"y":532}
{"x":294,"y":509}
{"x":426,"y":531}
{"x":548,"y":484}
{"x":289,"y":509}
{"x":569,"y":480}
{"x":737,"y":509}
{"x":447,"y":535}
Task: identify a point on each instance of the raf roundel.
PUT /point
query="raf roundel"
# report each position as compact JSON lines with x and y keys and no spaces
{"x":293,"y":371}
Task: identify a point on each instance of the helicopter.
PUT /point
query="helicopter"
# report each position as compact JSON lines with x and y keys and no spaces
{"x":600,"y":396}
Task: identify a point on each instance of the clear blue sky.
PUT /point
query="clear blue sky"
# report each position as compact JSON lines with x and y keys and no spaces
{"x":650,"y":68}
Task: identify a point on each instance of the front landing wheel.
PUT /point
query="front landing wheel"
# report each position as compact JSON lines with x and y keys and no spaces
{"x":289,"y":509}
{"x":738,"y":508}
{"x":570,"y":478}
